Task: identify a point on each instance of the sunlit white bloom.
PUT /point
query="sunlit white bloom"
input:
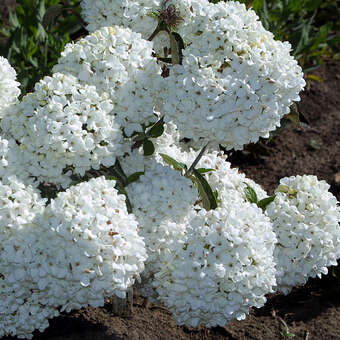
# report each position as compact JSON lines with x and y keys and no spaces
{"x":119,"y":62}
{"x":222,"y":267}
{"x":83,"y":248}
{"x":305,"y":217}
{"x":64,"y":128}
{"x":9,"y":87}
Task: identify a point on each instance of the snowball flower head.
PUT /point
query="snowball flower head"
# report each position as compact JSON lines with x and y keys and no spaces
{"x":305,"y":217}
{"x":235,"y":82}
{"x":9,"y":87}
{"x":161,"y":200}
{"x":83,"y":248}
{"x":118,"y":61}
{"x":19,"y":205}
{"x":223,"y":267}
{"x":64,"y":128}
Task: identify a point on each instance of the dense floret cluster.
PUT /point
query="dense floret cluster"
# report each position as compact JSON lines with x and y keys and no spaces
{"x":235,"y":79}
{"x":223,"y":266}
{"x":117,"y":61}
{"x":9,"y":87}
{"x":305,"y":218}
{"x":161,"y":210}
{"x":64,"y":128}
{"x":82,"y":248}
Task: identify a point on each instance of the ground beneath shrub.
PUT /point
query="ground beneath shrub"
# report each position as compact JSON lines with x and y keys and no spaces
{"x":310,"y":312}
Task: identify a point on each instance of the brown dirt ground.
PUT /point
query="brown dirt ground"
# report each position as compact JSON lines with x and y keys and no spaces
{"x":311,"y":312}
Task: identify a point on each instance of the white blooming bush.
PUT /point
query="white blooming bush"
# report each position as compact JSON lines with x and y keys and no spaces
{"x":129,"y":125}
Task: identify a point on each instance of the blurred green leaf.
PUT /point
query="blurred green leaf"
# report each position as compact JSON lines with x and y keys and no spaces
{"x":250,"y":194}
{"x":148,"y":148}
{"x":170,"y":161}
{"x":205,"y":192}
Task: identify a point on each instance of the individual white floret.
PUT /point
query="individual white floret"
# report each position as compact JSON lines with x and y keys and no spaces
{"x":305,"y":218}
{"x":223,"y":267}
{"x":119,"y":62}
{"x":9,"y":87}
{"x":64,"y":128}
{"x":161,"y":200}
{"x":20,"y":313}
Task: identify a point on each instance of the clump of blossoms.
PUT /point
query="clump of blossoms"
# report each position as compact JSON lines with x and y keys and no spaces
{"x":305,"y":218}
{"x":64,"y":128}
{"x":232,"y":77}
{"x":222,"y":267}
{"x":161,"y":209}
{"x":20,"y":311}
{"x":82,"y":248}
{"x":9,"y":87}
{"x":119,"y":62}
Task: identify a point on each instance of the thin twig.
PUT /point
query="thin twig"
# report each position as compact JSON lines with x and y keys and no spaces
{"x":192,"y":167}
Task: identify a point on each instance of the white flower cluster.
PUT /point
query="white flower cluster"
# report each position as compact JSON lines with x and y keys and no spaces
{"x":9,"y":87}
{"x":64,"y":127}
{"x":118,"y":61}
{"x":82,"y":248}
{"x":223,"y":266}
{"x":20,"y":314}
{"x":235,"y":79}
{"x":161,"y":200}
{"x":11,"y":161}
{"x":305,"y":218}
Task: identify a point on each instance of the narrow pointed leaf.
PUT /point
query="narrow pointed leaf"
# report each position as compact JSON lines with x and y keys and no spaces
{"x":134,"y":177}
{"x":204,"y":170}
{"x":265,"y":202}
{"x":205,"y":191}
{"x":170,"y":161}
{"x":157,"y":129}
{"x":250,"y":194}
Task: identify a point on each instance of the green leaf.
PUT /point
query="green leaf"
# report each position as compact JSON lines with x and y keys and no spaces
{"x":176,"y":45}
{"x":265,"y":202}
{"x":119,"y":173}
{"x":172,"y":162}
{"x":157,"y":129}
{"x":134,"y":177}
{"x":122,"y":190}
{"x":250,"y":194}
{"x":148,"y":148}
{"x":204,"y":170}
{"x":205,"y":191}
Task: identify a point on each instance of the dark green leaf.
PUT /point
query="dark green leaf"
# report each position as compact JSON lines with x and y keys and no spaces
{"x":204,"y":170}
{"x":250,"y":194}
{"x":205,"y":191}
{"x":157,"y":129}
{"x":148,"y":148}
{"x":265,"y":202}
{"x":119,"y":173}
{"x":134,"y":177}
{"x":176,"y":165}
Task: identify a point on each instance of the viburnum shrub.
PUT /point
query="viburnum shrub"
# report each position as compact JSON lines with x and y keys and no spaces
{"x":123,"y":139}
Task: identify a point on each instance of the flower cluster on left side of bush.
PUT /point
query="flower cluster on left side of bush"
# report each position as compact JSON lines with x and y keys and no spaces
{"x":78,"y":250}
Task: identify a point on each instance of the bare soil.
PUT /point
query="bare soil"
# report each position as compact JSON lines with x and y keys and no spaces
{"x":311,"y":312}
